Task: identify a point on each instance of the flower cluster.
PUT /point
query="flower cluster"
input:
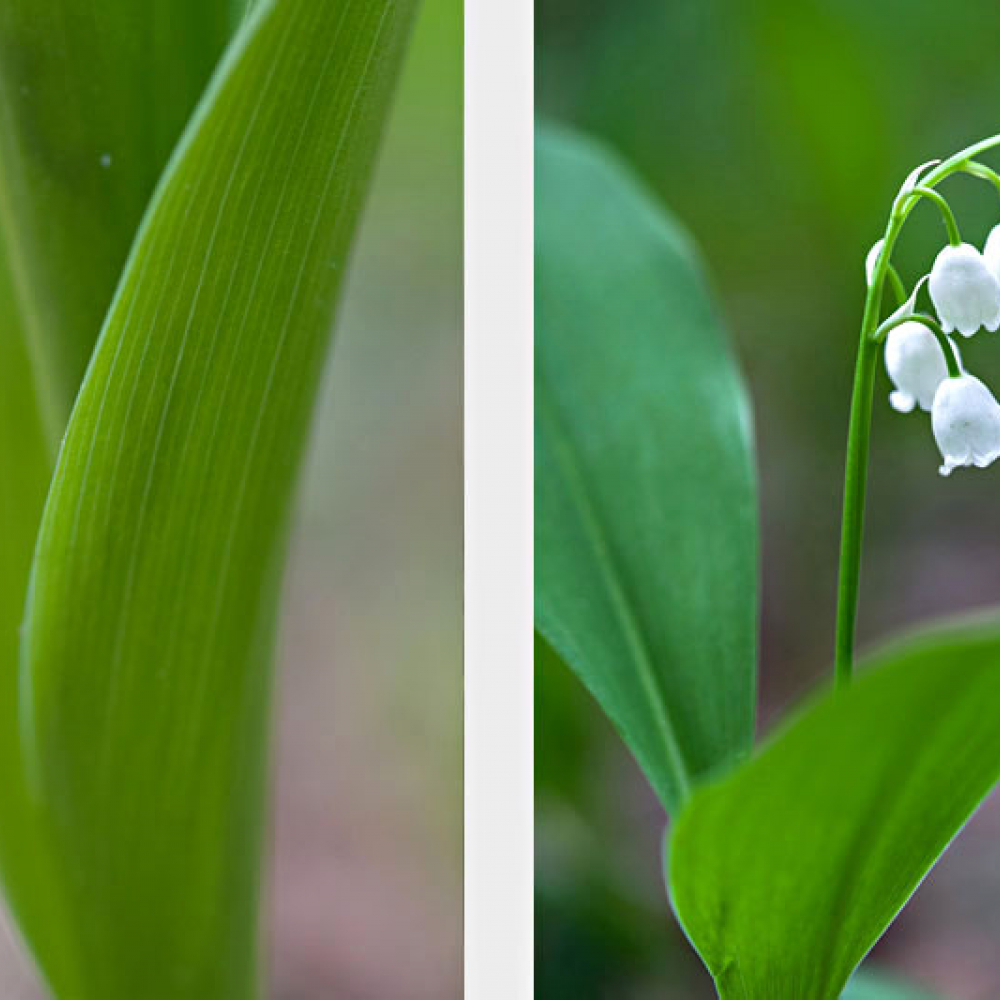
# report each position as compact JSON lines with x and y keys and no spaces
{"x":964,"y":286}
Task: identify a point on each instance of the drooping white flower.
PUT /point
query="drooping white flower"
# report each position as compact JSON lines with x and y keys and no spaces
{"x":991,"y":252}
{"x":965,"y":292}
{"x":965,"y":419}
{"x":916,"y":365}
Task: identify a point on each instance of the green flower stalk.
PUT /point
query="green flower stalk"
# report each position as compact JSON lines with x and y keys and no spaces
{"x":922,"y":361}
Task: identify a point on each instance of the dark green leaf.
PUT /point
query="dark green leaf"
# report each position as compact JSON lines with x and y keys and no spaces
{"x":645,"y":523}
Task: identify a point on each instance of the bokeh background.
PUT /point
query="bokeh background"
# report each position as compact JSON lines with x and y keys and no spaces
{"x":778,"y":131}
{"x":366,"y":881}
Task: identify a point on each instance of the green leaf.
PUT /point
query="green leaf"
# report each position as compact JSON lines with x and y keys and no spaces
{"x":118,"y":81}
{"x":50,"y":129}
{"x":645,"y":523}
{"x":92,"y":102}
{"x":25,"y":466}
{"x":787,"y":871}
{"x":146,"y":654}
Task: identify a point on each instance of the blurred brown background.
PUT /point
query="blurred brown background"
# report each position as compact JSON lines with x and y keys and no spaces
{"x":779,"y":131}
{"x":366,"y":882}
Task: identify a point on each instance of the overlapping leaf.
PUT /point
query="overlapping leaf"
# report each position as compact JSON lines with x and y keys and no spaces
{"x":145,"y":673}
{"x":25,"y":465}
{"x":91,"y":104}
{"x":786,"y":872}
{"x":645,"y":500}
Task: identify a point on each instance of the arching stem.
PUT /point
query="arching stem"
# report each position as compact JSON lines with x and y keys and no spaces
{"x":859,"y":428}
{"x":951,"y":224}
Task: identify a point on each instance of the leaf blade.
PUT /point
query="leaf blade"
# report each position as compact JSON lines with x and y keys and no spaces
{"x":149,"y":625}
{"x":25,"y":456}
{"x":91,"y":104}
{"x":788,"y":871}
{"x":636,"y":399}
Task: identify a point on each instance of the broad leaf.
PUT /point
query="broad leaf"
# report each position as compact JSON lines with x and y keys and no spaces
{"x":92,"y":102}
{"x":786,"y":872}
{"x":645,"y":523}
{"x":146,"y":676}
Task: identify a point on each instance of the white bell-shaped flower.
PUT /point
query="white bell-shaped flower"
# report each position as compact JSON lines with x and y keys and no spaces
{"x":916,"y":365}
{"x":965,"y":418}
{"x":965,"y":292}
{"x":991,"y":252}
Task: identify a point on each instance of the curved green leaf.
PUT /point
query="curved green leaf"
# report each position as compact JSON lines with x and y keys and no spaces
{"x":645,"y":523}
{"x":144,"y":705}
{"x":787,"y":871}
{"x":91,"y":104}
{"x":92,"y":101}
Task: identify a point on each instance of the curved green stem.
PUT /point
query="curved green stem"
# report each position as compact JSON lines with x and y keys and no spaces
{"x":983,"y":172}
{"x":859,"y":429}
{"x":855,"y":483}
{"x":954,"y":237}
{"x":948,"y":349}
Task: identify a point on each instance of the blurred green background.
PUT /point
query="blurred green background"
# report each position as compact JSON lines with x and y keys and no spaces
{"x":365,"y":888}
{"x":778,"y":132}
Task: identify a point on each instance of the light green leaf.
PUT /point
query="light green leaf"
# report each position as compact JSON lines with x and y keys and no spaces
{"x":645,"y":523}
{"x":787,"y":871}
{"x":145,"y":661}
{"x":91,"y":104}
{"x":25,"y":465}
{"x":92,"y":101}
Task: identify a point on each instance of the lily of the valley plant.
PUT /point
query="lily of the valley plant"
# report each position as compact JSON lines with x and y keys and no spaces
{"x":787,"y":859}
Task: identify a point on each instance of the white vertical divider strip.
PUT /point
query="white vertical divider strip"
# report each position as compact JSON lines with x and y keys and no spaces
{"x":499,"y":738}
